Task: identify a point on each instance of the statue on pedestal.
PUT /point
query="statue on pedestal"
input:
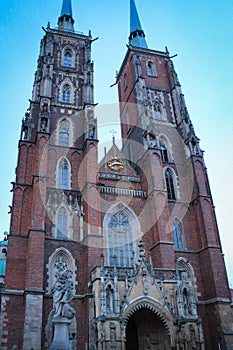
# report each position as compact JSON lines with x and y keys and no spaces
{"x":63,"y":312}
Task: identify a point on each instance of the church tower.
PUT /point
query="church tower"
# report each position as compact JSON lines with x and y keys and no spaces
{"x":58,"y":145}
{"x":123,"y":253}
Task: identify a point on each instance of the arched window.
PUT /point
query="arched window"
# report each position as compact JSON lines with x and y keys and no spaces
{"x":120,"y":240}
{"x":62,"y":223}
{"x":66,"y":93}
{"x":177,"y":234}
{"x":170,"y":184}
{"x":151,"y":70}
{"x":64,"y":133}
{"x":164,"y":153}
{"x":67,"y":61}
{"x":64,"y":174}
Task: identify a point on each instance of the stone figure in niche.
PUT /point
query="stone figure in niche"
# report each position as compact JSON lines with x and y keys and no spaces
{"x":113,"y":335}
{"x":151,"y":140}
{"x":92,"y":131}
{"x":138,"y":66}
{"x":109,"y":300}
{"x":45,"y":107}
{"x":192,"y":337}
{"x":101,"y":337}
{"x":63,"y":291}
{"x":157,"y":103}
{"x":25,"y":126}
{"x":186,"y":302}
{"x":43,"y":124}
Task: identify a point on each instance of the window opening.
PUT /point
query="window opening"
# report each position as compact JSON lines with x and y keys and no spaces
{"x":67,"y":62}
{"x":120,"y":240}
{"x":64,"y":134}
{"x":63,"y":174}
{"x":62,"y":223}
{"x":66,"y":94}
{"x":170,"y":185}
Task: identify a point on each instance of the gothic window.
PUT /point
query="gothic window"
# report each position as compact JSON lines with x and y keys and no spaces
{"x":62,"y":223}
{"x":151,"y":70}
{"x":64,"y":174}
{"x":177,"y":234}
{"x":67,"y":61}
{"x":170,"y":184}
{"x":66,"y":93}
{"x":164,"y":153}
{"x":64,"y":133}
{"x":120,"y":240}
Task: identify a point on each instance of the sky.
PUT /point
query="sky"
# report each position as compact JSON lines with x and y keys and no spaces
{"x":199,"y":32}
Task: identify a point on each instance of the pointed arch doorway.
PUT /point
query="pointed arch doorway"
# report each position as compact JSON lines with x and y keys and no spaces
{"x":146,"y":331}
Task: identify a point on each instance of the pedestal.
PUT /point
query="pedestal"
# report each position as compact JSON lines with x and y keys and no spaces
{"x":61,"y":334}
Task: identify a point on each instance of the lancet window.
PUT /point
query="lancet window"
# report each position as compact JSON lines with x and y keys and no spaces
{"x":169,"y":178}
{"x":64,"y":175}
{"x":64,"y":133}
{"x":151,"y":69}
{"x":62,"y":223}
{"x":164,"y":153}
{"x":66,"y":93}
{"x":67,"y":61}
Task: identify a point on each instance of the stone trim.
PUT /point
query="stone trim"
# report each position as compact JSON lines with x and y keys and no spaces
{"x":123,"y":192}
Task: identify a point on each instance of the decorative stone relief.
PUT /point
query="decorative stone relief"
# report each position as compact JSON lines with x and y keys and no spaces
{"x":63,"y":290}
{"x":27,"y":126}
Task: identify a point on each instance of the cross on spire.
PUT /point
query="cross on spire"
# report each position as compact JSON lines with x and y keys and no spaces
{"x":113,"y":132}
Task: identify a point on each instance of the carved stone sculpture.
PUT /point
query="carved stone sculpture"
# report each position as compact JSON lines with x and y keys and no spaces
{"x":63,"y":312}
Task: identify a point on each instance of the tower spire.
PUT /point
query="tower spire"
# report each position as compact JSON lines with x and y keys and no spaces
{"x":66,"y":21}
{"x":137,"y":35}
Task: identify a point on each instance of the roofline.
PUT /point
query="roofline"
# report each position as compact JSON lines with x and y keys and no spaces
{"x":131,"y":48}
{"x":76,"y":35}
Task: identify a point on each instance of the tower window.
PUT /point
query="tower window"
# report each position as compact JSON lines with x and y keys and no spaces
{"x":151,"y":69}
{"x":64,"y":174}
{"x":66,"y":94}
{"x":120,"y":240}
{"x":177,"y":234}
{"x":164,"y":153}
{"x":62,"y":222}
{"x":64,"y":133}
{"x":67,"y":61}
{"x":170,"y":184}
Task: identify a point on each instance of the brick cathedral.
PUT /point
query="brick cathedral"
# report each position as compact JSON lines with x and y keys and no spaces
{"x":133,"y":236}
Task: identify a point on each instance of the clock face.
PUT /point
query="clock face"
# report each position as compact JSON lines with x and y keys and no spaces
{"x":115,"y":164}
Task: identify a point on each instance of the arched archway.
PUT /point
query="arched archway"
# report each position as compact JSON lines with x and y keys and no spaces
{"x":145,"y":330}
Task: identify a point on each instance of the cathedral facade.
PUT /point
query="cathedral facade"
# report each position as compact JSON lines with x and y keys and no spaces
{"x":122,"y":253}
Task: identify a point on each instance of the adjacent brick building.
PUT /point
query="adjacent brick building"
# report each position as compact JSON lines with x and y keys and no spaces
{"x":137,"y":229}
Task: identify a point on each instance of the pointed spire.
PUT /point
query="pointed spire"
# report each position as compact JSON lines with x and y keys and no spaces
{"x":137,"y":36}
{"x":66,"y":21}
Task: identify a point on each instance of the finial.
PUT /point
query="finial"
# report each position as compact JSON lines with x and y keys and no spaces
{"x":66,"y":21}
{"x":137,"y":35}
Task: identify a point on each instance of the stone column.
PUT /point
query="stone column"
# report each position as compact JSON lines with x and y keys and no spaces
{"x":61,"y":334}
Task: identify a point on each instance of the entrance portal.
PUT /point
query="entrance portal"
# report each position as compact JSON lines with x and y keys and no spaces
{"x":145,"y":331}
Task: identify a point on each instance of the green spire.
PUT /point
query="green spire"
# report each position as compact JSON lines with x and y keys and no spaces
{"x":137,"y":36}
{"x":65,"y":21}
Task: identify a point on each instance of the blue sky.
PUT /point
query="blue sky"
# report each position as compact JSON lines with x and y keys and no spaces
{"x":200,"y":32}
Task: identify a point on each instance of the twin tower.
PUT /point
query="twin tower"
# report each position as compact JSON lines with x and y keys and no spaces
{"x":123,"y":253}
